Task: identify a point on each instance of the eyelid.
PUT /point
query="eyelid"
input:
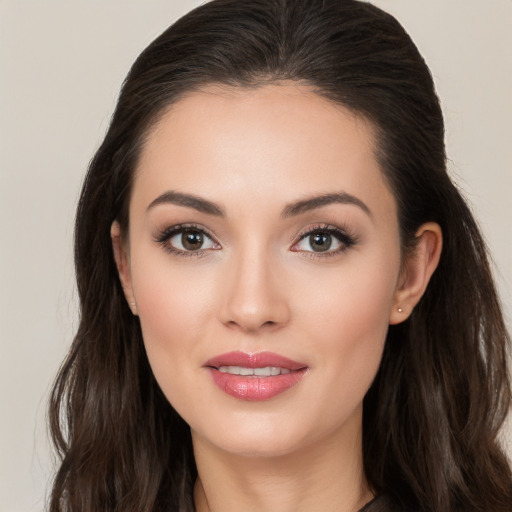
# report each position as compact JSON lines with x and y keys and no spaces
{"x":344,"y":235}
{"x":169,"y":232}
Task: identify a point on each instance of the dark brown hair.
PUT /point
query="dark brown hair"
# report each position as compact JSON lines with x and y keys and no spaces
{"x":433,"y":413}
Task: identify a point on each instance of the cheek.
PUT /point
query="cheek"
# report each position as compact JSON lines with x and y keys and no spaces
{"x":355,"y":298}
{"x":169,"y":301}
{"x":173,"y":303}
{"x":347,"y":324}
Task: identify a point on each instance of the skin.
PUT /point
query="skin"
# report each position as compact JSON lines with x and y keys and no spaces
{"x":260,"y":286}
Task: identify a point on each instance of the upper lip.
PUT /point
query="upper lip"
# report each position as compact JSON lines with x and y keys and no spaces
{"x":256,"y":360}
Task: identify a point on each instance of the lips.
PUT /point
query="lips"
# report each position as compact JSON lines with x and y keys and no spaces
{"x":255,"y":377}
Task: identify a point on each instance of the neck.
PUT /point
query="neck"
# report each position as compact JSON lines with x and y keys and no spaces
{"x":326,"y":475}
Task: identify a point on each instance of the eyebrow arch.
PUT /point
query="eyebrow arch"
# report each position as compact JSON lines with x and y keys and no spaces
{"x":323,"y":200}
{"x":189,"y":201}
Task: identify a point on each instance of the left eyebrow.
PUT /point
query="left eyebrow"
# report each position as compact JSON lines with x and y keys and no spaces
{"x":323,"y":200}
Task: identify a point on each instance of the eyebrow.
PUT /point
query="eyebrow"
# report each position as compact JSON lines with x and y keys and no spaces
{"x":291,"y":210}
{"x":189,"y":201}
{"x":323,"y":200}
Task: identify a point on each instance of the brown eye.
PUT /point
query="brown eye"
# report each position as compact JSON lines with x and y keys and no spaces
{"x":186,"y":240}
{"x":192,"y":240}
{"x":327,"y":240}
{"x":320,"y":242}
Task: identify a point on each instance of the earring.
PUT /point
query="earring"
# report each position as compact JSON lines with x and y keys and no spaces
{"x":400,"y":310}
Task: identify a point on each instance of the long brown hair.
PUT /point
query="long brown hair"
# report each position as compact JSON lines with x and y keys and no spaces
{"x":433,"y":414}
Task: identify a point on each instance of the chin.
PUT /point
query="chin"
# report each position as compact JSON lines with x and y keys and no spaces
{"x":254,"y":444}
{"x":275,"y":435}
{"x":248,"y":433}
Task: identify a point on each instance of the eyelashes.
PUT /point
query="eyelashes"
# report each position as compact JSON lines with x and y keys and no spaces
{"x":319,"y":241}
{"x":187,"y":240}
{"x":324,"y":241}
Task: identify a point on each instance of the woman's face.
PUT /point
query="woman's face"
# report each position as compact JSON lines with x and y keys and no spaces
{"x":263,"y":258}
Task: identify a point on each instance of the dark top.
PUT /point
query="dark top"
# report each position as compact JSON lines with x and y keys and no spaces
{"x":382,"y":503}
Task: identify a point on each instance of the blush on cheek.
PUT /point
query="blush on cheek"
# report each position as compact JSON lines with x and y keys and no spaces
{"x":173,"y":312}
{"x":354,"y":315}
{"x":165,"y":302}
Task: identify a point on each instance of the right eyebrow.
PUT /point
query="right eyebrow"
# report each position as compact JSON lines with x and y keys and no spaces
{"x":189,"y":201}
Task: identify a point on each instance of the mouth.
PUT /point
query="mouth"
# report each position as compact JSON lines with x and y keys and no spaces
{"x":267,"y":371}
{"x":255,"y":377}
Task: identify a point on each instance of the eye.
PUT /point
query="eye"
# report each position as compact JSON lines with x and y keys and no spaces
{"x":327,"y":240}
{"x":318,"y":242}
{"x":191,"y":240}
{"x":186,"y":240}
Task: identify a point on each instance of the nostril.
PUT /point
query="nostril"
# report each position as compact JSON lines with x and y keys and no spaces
{"x":247,"y":326}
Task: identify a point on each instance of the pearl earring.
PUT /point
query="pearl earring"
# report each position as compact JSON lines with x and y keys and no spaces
{"x":400,"y":310}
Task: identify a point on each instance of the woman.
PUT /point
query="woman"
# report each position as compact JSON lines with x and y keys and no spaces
{"x":285,"y":302}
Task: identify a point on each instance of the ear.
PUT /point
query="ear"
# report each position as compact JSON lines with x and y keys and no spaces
{"x":122,"y":259}
{"x":418,"y":269}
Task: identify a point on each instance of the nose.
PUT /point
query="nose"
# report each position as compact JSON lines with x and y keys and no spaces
{"x":254,"y":294}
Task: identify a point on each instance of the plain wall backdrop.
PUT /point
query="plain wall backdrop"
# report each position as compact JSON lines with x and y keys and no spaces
{"x":61,"y":67}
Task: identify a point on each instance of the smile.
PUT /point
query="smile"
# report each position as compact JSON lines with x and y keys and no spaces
{"x":255,"y":377}
{"x":267,"y":371}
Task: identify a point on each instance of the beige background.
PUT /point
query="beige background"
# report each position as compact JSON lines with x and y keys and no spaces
{"x":61,"y":66}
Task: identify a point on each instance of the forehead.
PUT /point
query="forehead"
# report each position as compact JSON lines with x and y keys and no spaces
{"x":272,"y":141}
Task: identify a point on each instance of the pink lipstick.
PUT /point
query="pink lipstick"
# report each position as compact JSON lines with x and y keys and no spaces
{"x":254,"y":377}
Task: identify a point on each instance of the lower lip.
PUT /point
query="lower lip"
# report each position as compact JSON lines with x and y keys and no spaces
{"x":255,"y":388}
